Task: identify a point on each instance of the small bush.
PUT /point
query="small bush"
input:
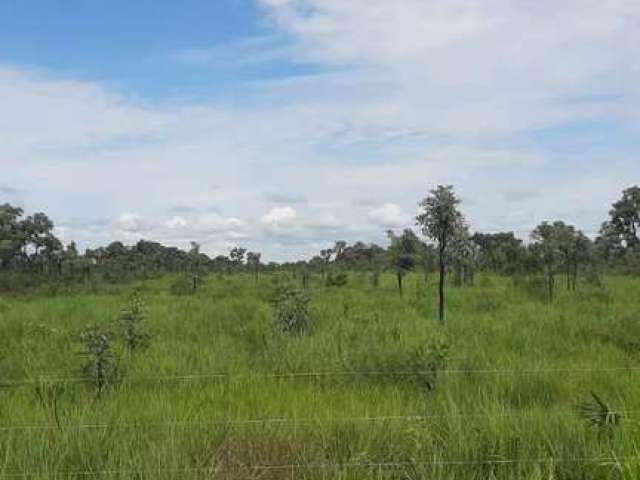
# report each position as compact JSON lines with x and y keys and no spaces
{"x":418,"y":366}
{"x":4,"y":306}
{"x":336,"y":279}
{"x":101,"y":369}
{"x":623,"y":333}
{"x":487,"y":304}
{"x":292,"y":311}
{"x":536,"y":287}
{"x":132,"y":322}
{"x":183,"y":285}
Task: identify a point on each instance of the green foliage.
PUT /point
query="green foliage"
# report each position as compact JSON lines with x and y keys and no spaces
{"x":5,"y":306}
{"x":424,"y":398}
{"x":100,"y":369}
{"x":336,"y":279}
{"x":183,"y":285}
{"x":534,"y":286}
{"x":132,"y":318}
{"x":292,"y":311}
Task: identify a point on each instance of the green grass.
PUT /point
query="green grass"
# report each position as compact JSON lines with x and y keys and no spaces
{"x":503,"y":406}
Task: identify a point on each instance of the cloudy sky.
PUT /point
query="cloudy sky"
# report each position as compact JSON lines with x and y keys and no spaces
{"x":283,"y":125}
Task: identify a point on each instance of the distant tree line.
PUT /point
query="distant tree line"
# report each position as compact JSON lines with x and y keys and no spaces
{"x":443,"y":245}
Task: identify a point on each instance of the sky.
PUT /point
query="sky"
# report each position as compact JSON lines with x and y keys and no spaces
{"x":284,"y":125}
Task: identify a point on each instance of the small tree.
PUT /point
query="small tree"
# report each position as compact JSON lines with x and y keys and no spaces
{"x":132,"y":319}
{"x":237,"y":256}
{"x":325,"y":255}
{"x":253,"y":262}
{"x":464,"y":253}
{"x":402,"y":253}
{"x":547,"y":250}
{"x":439,"y":221}
{"x":101,"y":368}
{"x":625,"y":218}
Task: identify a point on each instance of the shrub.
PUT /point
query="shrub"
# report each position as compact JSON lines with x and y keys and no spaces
{"x":487,"y":304}
{"x":183,"y":285}
{"x":292,"y":311}
{"x":132,"y":318}
{"x":101,"y":368}
{"x":336,"y":279}
{"x":4,"y":306}
{"x":535,"y":286}
{"x":418,"y":366}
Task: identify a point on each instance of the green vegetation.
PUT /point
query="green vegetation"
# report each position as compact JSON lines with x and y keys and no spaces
{"x":511,"y":387}
{"x":147,"y":361}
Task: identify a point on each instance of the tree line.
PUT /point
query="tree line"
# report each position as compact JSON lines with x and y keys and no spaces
{"x":442,"y":243}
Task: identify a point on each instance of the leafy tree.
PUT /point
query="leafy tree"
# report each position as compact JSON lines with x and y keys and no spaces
{"x":325,"y":255}
{"x":237,"y":256}
{"x":464,"y":256}
{"x":402,"y":253}
{"x":253,"y":261}
{"x":549,"y":241}
{"x":619,"y":238}
{"x":339,"y":248}
{"x":440,"y":220}
{"x":499,"y":252}
{"x":11,"y":233}
{"x":38,"y":231}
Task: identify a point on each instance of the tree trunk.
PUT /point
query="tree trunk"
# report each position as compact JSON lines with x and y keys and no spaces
{"x":399,"y":275}
{"x":441,"y":284}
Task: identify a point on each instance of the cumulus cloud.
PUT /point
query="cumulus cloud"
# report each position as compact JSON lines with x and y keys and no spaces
{"x":279,"y":217}
{"x":389,"y":215}
{"x":325,"y":220}
{"x":176,"y":222}
{"x":406,"y":95}
{"x":128,"y":222}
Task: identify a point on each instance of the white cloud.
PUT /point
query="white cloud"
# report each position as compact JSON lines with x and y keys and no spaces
{"x":389,"y":215}
{"x":176,"y":222}
{"x":280,"y":217}
{"x":412,"y":94}
{"x":128,"y":222}
{"x":325,"y":220}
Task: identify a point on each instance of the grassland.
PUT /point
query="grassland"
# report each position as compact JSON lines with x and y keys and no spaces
{"x":504,"y":404}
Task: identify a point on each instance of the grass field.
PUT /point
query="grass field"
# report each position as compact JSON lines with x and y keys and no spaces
{"x":511,"y":375}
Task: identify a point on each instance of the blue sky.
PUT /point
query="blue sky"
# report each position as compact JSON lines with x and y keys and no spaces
{"x":283,"y":125}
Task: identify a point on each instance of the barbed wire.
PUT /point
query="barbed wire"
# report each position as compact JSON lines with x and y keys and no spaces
{"x":329,"y":465}
{"x":308,"y":420}
{"x":319,"y":374}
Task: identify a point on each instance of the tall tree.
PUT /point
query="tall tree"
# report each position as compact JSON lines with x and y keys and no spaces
{"x":499,"y":252}
{"x":12,"y":237}
{"x":621,"y":232}
{"x":440,"y":220}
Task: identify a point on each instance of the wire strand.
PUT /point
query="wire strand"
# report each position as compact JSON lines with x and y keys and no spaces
{"x":309,"y":420}
{"x":323,"y":466}
{"x":347,"y":373}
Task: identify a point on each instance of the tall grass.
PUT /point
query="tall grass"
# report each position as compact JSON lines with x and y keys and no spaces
{"x":507,"y":400}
